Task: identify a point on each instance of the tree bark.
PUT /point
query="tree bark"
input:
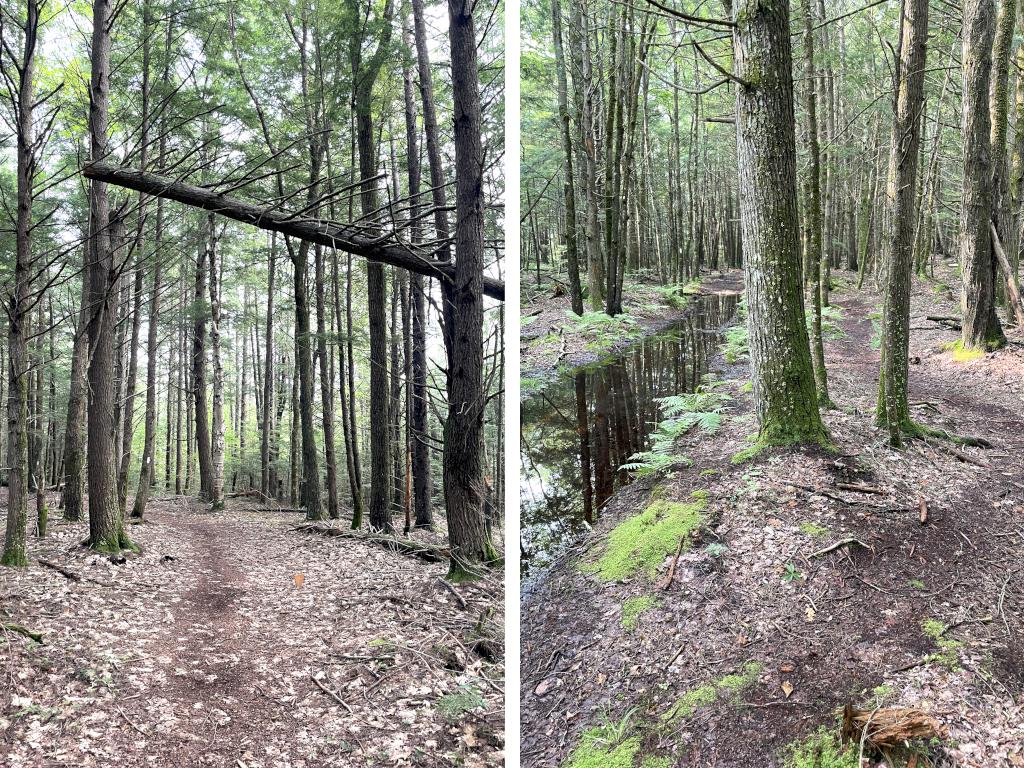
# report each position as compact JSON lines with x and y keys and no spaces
{"x":217,"y":437}
{"x":106,"y":526}
{"x":200,"y":409}
{"x":893,"y":409}
{"x":785,"y":396}
{"x":464,"y":485}
{"x":981,"y":326}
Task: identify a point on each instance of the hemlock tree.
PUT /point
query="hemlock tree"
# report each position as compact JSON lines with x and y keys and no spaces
{"x":785,"y":396}
{"x":893,"y":409}
{"x":106,"y":523}
{"x":981,"y":326}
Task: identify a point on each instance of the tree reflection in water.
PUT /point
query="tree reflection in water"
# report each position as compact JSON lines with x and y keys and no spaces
{"x":584,"y":426}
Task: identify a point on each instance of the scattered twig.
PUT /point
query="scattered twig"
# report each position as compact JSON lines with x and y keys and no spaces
{"x":459,"y":598}
{"x":666,"y":582}
{"x":36,"y":636}
{"x":838,"y":545}
{"x":330,"y":693}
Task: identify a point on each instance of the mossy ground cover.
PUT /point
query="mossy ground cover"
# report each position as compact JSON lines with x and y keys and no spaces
{"x":634,"y":607}
{"x":822,"y":749}
{"x":641,"y":543}
{"x":729,"y":687}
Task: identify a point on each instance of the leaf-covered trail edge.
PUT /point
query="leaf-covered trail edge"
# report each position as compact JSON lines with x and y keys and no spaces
{"x":232,"y":640}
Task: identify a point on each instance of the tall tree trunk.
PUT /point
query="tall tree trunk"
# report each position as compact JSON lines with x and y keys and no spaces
{"x":569,"y":186}
{"x":816,"y":253}
{"x":893,"y":409}
{"x":304,"y":358}
{"x":200,"y":409}
{"x":73,"y":496}
{"x":464,"y":486}
{"x":19,"y":308}
{"x":217,"y":438}
{"x":106,"y":525}
{"x":981,"y":326}
{"x":785,"y":396}
{"x":267,"y":426}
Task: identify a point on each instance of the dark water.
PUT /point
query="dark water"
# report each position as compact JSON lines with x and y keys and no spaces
{"x":582,"y":427}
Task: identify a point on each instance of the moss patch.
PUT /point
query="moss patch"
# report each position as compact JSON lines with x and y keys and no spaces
{"x":813,"y":530}
{"x":643,"y":541}
{"x":730,"y":686}
{"x":962,"y":354}
{"x":634,"y":607}
{"x":597,"y":750}
{"x":948,"y":654}
{"x":822,"y":749}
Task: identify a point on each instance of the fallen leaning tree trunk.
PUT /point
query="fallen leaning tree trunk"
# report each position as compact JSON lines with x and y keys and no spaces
{"x":418,"y":549}
{"x":330,"y":235}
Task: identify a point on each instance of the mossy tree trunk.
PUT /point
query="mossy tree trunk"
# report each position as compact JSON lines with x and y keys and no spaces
{"x":981,"y":326}
{"x":785,"y":395}
{"x":815,"y":253}
{"x":893,"y":410}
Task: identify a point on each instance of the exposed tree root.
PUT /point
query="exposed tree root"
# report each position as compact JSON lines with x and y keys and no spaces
{"x":36,"y":636}
{"x":417,"y":549}
{"x":888,"y":728}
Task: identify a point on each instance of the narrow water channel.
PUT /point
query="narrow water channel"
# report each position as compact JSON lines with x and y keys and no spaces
{"x":582,"y":427}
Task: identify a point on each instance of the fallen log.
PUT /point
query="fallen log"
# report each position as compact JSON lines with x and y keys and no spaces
{"x":411,"y":547}
{"x":349,"y":238}
{"x":888,"y":728}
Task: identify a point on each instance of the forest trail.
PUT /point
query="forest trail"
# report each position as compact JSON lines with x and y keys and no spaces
{"x":232,"y":640}
{"x":771,"y":630}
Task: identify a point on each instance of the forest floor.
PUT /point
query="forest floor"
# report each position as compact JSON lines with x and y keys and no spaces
{"x":552,"y":339}
{"x":766,"y":628}
{"x":232,"y":640}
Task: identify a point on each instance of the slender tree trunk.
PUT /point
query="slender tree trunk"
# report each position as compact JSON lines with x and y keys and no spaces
{"x":201,"y":412}
{"x":19,"y":309}
{"x":569,"y":186}
{"x":893,"y":409}
{"x":217,"y":438}
{"x":267,"y":426}
{"x":816,"y":253}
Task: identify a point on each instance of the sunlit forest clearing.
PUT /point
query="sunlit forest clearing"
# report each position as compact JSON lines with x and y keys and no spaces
{"x":772,"y":486}
{"x":253,"y":465}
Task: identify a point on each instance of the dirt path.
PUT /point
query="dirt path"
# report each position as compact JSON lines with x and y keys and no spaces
{"x":234,"y":641}
{"x":852,"y":624}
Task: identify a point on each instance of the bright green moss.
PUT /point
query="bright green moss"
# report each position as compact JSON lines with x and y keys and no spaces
{"x":656,"y":762}
{"x":962,"y":354}
{"x":822,"y":749}
{"x":948,"y":654}
{"x":643,"y":541}
{"x":729,"y":686}
{"x":813,"y":530}
{"x":596,"y":751}
{"x":634,"y":607}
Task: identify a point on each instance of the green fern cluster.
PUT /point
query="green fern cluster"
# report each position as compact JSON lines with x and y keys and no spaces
{"x":680,"y":413}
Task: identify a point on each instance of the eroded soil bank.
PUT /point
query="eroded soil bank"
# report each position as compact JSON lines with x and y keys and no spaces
{"x":770,"y":622}
{"x":233,"y":640}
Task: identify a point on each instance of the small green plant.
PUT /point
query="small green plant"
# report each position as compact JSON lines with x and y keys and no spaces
{"x":822,"y":749}
{"x":948,"y":654}
{"x":453,"y":705}
{"x":716,"y":549}
{"x":634,"y":607}
{"x":917,"y":584}
{"x":701,"y":410}
{"x":730,"y":686}
{"x":791,"y":574}
{"x":830,"y":319}
{"x":876,"y":328}
{"x":962,"y":354}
